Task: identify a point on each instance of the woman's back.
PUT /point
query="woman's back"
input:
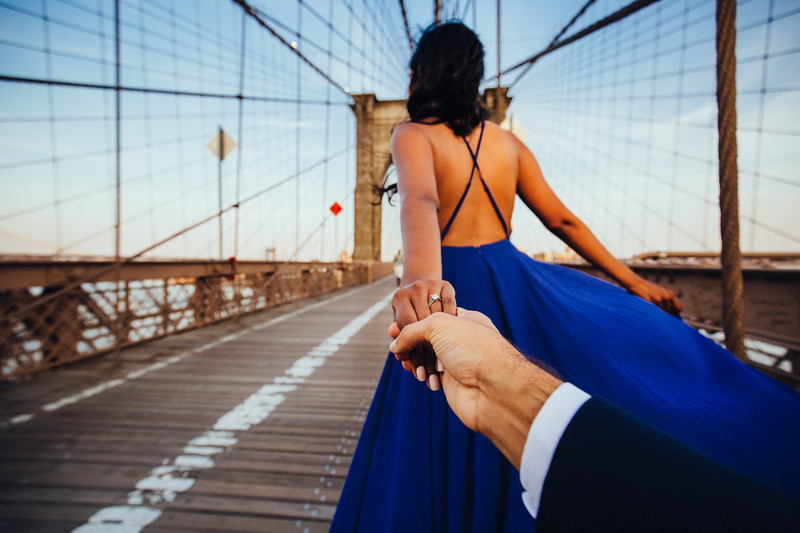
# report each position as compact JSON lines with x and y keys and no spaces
{"x":476,"y":221}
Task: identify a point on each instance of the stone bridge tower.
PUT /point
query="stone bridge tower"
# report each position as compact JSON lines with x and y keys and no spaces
{"x":375,"y":120}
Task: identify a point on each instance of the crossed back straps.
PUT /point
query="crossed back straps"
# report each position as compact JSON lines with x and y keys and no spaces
{"x":475,"y":166}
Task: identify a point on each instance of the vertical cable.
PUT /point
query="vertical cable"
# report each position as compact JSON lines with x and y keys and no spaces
{"x":678,"y":123}
{"x":498,"y":48}
{"x":243,"y":37}
{"x":118,"y":223}
{"x":207,"y":169}
{"x":651,"y":122}
{"x":117,"y":92}
{"x":732,"y":297}
{"x":147,"y":126}
{"x":327,"y":130}
{"x":107,"y":100}
{"x":54,"y":160}
{"x":474,"y":14}
{"x":760,"y":125}
{"x":221,"y":148}
{"x":629,"y":124}
{"x":297,"y":134}
{"x":179,"y":125}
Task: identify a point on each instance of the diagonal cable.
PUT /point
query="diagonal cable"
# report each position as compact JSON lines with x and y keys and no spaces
{"x":405,"y":21}
{"x":555,"y":39}
{"x":253,"y":13}
{"x":630,"y":9}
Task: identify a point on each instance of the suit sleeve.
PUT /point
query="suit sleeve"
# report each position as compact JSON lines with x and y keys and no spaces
{"x":614,"y":472}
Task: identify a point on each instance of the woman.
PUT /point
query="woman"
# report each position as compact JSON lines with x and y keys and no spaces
{"x":458,"y":176}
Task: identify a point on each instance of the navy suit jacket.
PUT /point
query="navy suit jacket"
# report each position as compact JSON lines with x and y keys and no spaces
{"x":613,"y":472}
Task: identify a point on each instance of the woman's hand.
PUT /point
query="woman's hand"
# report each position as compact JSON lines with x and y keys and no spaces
{"x":410,"y":304}
{"x":663,"y":298}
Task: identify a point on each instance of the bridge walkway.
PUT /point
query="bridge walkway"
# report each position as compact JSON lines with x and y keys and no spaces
{"x":248,"y":425}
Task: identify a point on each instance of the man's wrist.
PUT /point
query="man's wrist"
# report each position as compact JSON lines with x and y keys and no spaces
{"x":515,"y":390}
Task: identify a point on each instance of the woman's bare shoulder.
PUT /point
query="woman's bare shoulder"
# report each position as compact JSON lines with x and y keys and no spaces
{"x":410,"y":128}
{"x":409,"y":135}
{"x":502,"y":140}
{"x":502,"y":134}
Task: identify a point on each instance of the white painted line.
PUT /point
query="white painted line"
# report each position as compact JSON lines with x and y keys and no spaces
{"x":21,"y":419}
{"x":91,"y":391}
{"x":120,"y":519}
{"x":174,"y":476}
{"x":102,"y":387}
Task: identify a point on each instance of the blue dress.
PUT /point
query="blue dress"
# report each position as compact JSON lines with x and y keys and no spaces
{"x":418,"y":468}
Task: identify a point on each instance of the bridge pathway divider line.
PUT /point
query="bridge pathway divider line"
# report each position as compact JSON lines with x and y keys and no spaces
{"x":257,"y":430}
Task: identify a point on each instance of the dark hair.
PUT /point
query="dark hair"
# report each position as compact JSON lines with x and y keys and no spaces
{"x":446,"y":74}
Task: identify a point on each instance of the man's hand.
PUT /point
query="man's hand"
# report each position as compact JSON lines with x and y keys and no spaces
{"x":456,"y":341}
{"x":489,"y":385}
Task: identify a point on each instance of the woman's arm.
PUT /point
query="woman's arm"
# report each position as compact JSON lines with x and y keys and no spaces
{"x":416,"y":184}
{"x":544,"y":203}
{"x":412,"y":154}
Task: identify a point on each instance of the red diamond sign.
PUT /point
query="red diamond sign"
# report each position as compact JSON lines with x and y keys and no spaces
{"x":336,"y":208}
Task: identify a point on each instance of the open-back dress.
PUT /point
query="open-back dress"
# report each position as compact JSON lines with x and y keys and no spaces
{"x":417,"y":468}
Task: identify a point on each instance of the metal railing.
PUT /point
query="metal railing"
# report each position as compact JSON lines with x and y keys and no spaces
{"x":148,"y":300}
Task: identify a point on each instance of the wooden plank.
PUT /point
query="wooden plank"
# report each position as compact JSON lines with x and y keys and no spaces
{"x":181,"y":521}
{"x":12,"y":525}
{"x":64,"y":474}
{"x":255,"y":506}
{"x":37,"y":511}
{"x":285,"y":473}
{"x":75,"y":495}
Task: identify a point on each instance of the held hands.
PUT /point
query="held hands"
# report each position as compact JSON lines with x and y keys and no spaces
{"x":663,"y":298}
{"x":489,"y":385}
{"x":462,"y":344}
{"x":411,"y":304}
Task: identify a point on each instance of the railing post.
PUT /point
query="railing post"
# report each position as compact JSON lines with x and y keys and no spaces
{"x":733,"y":306}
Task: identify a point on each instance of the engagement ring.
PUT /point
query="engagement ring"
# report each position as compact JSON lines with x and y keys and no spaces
{"x":434,"y":298}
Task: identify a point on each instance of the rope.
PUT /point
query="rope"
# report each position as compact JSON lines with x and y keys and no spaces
{"x":405,"y":21}
{"x":732,"y":290}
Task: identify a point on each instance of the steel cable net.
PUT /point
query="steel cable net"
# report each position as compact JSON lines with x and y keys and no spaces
{"x":624,"y":125}
{"x":275,"y":76}
{"x":106,"y":104}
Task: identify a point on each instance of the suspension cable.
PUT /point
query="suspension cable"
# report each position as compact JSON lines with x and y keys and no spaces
{"x":626,"y":11}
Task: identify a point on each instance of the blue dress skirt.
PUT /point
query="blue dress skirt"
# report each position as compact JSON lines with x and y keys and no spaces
{"x":417,"y":468}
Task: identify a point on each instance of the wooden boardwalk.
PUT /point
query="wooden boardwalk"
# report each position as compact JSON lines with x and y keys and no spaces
{"x":244,"y":426}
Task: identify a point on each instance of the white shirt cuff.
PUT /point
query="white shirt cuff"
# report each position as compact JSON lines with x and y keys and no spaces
{"x":543,"y":438}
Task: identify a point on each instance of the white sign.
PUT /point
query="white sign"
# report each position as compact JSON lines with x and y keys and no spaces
{"x":228,"y":144}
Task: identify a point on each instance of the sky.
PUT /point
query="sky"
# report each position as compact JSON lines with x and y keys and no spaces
{"x":622,"y":122}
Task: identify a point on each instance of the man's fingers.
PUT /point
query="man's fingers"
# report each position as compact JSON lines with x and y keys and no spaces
{"x":412,"y":336}
{"x":477,"y":317}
